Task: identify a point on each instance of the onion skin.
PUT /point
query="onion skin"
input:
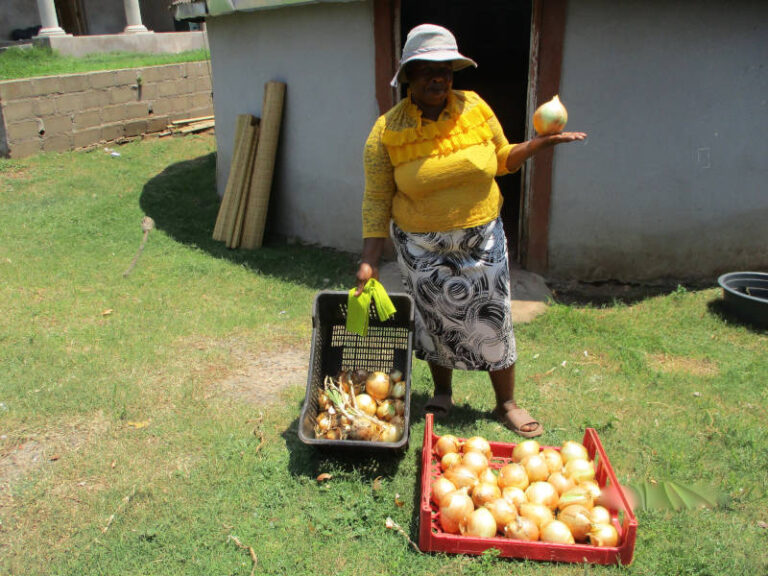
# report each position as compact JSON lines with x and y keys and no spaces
{"x":475,"y":461}
{"x":571,"y":450}
{"x":386,"y":410}
{"x":488,"y":477}
{"x":578,"y":520}
{"x":580,"y":470}
{"x":514,"y":496}
{"x":550,"y":117}
{"x":577,"y":495}
{"x":480,"y":524}
{"x":603,"y":535}
{"x":366,"y":403}
{"x":477,"y":444}
{"x":462,"y":477}
{"x":536,"y":468}
{"x":560,"y":482}
{"x":445,"y":444}
{"x":553,"y":459}
{"x":556,"y":532}
{"x":378,"y":385}
{"x":542,"y":493}
{"x":539,"y":513}
{"x":455,"y":509}
{"x":525,"y":448}
{"x":398,"y":390}
{"x":440,"y":489}
{"x":503,"y":512}
{"x":522,"y":528}
{"x":513,"y":474}
{"x":450,"y":460}
{"x":600,"y":515}
{"x":484,"y":493}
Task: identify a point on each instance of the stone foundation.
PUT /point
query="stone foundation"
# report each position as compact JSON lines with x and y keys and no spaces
{"x":58,"y":113}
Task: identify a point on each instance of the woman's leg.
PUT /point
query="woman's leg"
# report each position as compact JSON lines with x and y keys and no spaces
{"x":513,"y":417}
{"x":442,"y":400}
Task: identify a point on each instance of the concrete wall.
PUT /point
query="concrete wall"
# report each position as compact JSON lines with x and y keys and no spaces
{"x":16,"y":14}
{"x":58,"y":113}
{"x":325,"y":55}
{"x":672,"y":181}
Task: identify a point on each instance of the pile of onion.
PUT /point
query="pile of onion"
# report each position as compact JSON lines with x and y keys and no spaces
{"x":370,"y":406}
{"x":542,"y":494}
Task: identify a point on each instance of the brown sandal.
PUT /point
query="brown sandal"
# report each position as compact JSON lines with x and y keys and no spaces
{"x":515,"y":418}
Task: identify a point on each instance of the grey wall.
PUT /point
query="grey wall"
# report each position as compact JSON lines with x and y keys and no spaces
{"x":325,"y":55}
{"x":673,"y":178}
{"x":104,"y":16}
{"x":17,"y":14}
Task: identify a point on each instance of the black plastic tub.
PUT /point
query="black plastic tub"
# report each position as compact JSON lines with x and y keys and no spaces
{"x":387,"y":346}
{"x":745,"y":294}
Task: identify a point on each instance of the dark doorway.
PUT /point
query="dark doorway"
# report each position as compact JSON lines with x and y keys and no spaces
{"x":495,"y":34}
{"x":71,"y":16}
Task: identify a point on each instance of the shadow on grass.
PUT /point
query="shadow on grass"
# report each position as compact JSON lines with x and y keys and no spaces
{"x":719,"y":308}
{"x":183,"y":202}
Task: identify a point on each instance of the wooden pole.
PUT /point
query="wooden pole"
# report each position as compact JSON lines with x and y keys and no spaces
{"x":266,"y":152}
{"x":243,"y":120}
{"x":236,"y":235}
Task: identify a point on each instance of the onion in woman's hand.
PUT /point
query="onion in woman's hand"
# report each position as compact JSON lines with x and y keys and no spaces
{"x":550,"y":117}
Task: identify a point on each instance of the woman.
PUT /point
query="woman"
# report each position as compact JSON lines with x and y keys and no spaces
{"x":430,"y":164}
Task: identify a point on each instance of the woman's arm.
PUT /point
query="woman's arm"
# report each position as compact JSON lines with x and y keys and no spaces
{"x":521,"y":152}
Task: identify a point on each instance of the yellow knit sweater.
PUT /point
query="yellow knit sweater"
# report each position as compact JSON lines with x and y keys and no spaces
{"x":434,"y":176}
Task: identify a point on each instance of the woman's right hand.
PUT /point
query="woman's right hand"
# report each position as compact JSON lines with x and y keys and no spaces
{"x":364,"y":273}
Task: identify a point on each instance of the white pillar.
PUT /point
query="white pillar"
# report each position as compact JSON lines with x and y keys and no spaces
{"x":48,"y":19}
{"x":133,"y":16}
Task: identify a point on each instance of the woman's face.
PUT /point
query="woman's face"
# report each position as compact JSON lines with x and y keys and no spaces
{"x":430,"y":82}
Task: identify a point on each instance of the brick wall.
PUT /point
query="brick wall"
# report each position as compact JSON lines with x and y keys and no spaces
{"x":57,"y":113}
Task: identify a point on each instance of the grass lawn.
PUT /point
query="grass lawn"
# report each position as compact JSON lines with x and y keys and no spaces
{"x":37,"y":61}
{"x":131,"y":442}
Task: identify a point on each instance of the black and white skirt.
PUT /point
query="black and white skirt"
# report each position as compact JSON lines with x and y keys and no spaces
{"x":460,"y":282}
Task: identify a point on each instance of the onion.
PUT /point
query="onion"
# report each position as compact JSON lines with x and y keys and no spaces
{"x":522,"y":528}
{"x":398,"y":421}
{"x":324,"y":422}
{"x":445,"y":444}
{"x":399,"y":407}
{"x":560,"y":482}
{"x":593,"y":487}
{"x":600,"y":515}
{"x":477,"y":444}
{"x":366,"y":403}
{"x":359,"y":377}
{"x":577,"y":495}
{"x":571,"y":450}
{"x":440,"y":488}
{"x":323,"y":402}
{"x":450,"y":460}
{"x":362,"y":429}
{"x":603,"y":535}
{"x":539,"y":513}
{"x":550,"y":117}
{"x":525,"y":448}
{"x":503,"y":512}
{"x":542,"y":493}
{"x":345,"y":379}
{"x":390,"y":433}
{"x":580,"y":470}
{"x":398,"y":390}
{"x":578,"y":520}
{"x":386,"y":410}
{"x":480,"y":524}
{"x":483,"y":493}
{"x":488,"y":477}
{"x":333,"y":434}
{"x":536,"y":468}
{"x":396,"y":375}
{"x":475,"y":461}
{"x":462,"y":476}
{"x":556,"y":532}
{"x":513,"y":474}
{"x":378,"y":385}
{"x":553,"y":459}
{"x":514,"y":495}
{"x":454,"y":510}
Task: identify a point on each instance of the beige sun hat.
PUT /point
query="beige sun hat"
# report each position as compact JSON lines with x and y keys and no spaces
{"x":434,"y":43}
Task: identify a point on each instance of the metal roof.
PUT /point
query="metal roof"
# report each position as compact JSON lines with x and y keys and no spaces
{"x":221,"y":7}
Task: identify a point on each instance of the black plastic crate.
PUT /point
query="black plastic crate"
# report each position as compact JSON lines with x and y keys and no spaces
{"x":388,"y":346}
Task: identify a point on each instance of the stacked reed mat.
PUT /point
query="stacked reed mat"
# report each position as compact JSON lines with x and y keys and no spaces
{"x":243,"y":211}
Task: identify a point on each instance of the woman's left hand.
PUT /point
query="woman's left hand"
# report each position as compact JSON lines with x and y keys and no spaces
{"x":559,"y":138}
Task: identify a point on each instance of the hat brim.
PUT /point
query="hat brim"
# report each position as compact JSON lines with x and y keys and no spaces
{"x":459,"y":62}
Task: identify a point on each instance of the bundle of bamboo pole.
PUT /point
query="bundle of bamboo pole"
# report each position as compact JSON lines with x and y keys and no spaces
{"x":243,"y":210}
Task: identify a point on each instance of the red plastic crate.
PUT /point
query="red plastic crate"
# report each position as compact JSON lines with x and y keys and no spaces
{"x":433,"y":539}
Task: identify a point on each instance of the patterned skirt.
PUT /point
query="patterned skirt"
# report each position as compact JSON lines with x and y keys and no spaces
{"x":459,"y":281}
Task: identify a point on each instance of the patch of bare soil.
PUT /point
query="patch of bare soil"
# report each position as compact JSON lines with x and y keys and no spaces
{"x":259,"y":379}
{"x":684,"y":365}
{"x":25,"y":452}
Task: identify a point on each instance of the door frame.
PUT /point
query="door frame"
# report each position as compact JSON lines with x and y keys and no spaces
{"x":544,"y":71}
